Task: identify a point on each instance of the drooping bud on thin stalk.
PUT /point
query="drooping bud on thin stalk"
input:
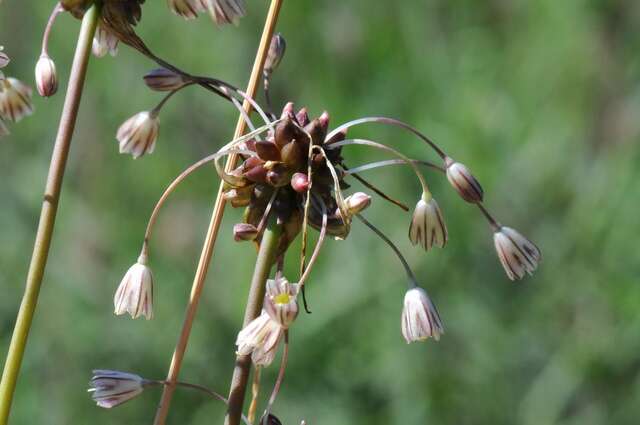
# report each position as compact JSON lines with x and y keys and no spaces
{"x":135,"y":293}
{"x":276,"y":53}
{"x":427,"y":224}
{"x":517,"y":254}
{"x":48,"y":213}
{"x":420,"y":318}
{"x":46,"y":76}
{"x":111,"y":388}
{"x":162,"y":79}
{"x":15,"y":99}
{"x":463,"y":181}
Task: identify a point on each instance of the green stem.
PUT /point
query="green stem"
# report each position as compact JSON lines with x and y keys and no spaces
{"x":266,"y":257}
{"x":48,"y":212}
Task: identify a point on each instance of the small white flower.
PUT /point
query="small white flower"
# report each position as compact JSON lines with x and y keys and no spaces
{"x":46,"y":77}
{"x":260,"y":338}
{"x":420,"y":319}
{"x":517,"y":254}
{"x":467,"y":186}
{"x":188,"y":9}
{"x":281,"y":302}
{"x":15,"y":99}
{"x":104,"y":42}
{"x":226,"y":11}
{"x":138,"y":134}
{"x":427,"y":224}
{"x":111,"y":388}
{"x":135,"y":293}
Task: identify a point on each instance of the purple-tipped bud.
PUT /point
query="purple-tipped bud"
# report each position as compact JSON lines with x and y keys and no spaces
{"x":324,"y":121}
{"x":357,"y":202}
{"x":464,"y":182}
{"x":162,"y":79}
{"x":244,"y":232}
{"x":288,"y":111}
{"x":275,"y":54}
{"x":303,"y":117}
{"x":46,"y":77}
{"x":300,"y":182}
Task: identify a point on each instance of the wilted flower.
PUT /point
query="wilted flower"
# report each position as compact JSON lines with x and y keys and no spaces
{"x":46,"y":77}
{"x":104,"y":42}
{"x":226,"y":11}
{"x":427,"y":225}
{"x":139,"y":133}
{"x":357,"y":202}
{"x":244,"y":232}
{"x":188,"y":9}
{"x":135,"y":293}
{"x":15,"y":99}
{"x":463,"y":181}
{"x":111,"y":388}
{"x":275,"y":54}
{"x":260,"y":338}
{"x":162,"y":79}
{"x":420,"y":319}
{"x":516,"y":253}
{"x":4,"y":58}
{"x":280,"y":301}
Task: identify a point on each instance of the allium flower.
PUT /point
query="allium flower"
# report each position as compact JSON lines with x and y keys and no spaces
{"x":275,"y":54}
{"x":139,"y":133}
{"x":226,"y":11}
{"x":464,"y":182}
{"x":111,"y":388}
{"x":357,"y":202}
{"x":104,"y":42}
{"x":260,"y":338}
{"x":15,"y":99}
{"x":135,"y":293}
{"x":280,"y":302}
{"x":427,"y":225}
{"x":162,"y":79}
{"x":420,"y":319}
{"x":188,"y":9}
{"x":46,"y":77}
{"x":516,"y":253}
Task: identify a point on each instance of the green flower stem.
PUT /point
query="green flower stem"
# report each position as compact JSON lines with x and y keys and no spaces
{"x":266,"y":257}
{"x":48,"y":212}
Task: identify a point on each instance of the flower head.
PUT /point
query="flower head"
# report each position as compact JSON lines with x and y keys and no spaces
{"x":135,"y":293}
{"x":104,"y":42}
{"x":260,"y":338}
{"x":281,"y":302}
{"x":517,"y":254}
{"x":46,"y":76}
{"x":464,"y":182}
{"x":111,"y":388}
{"x":420,"y":319}
{"x":139,"y":133}
{"x":15,"y":99}
{"x":427,"y":225}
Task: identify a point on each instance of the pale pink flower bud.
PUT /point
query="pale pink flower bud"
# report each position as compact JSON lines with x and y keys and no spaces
{"x":104,"y":42}
{"x":15,"y":99}
{"x":517,"y":254}
{"x":46,"y":76}
{"x":420,"y":319}
{"x":111,"y":388}
{"x":244,"y":232}
{"x":280,"y":301}
{"x":162,"y":79}
{"x":135,"y":293}
{"x":138,"y":134}
{"x":300,"y":182}
{"x":464,"y":182}
{"x":357,"y":202}
{"x":260,"y":338}
{"x":427,"y":225}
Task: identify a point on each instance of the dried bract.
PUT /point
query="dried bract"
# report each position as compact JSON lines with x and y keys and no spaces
{"x":420,"y":319}
{"x":517,"y":254}
{"x":138,"y":135}
{"x":111,"y":388}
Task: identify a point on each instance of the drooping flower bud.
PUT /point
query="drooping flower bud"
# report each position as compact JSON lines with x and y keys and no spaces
{"x":162,"y":79}
{"x":427,"y":225}
{"x":111,"y":388}
{"x":138,"y":134}
{"x":135,"y":293}
{"x":244,"y":232}
{"x":275,"y":54}
{"x":463,"y":181}
{"x":517,"y":254}
{"x":280,"y":302}
{"x":357,"y":202}
{"x":300,"y":182}
{"x":420,"y":318}
{"x":15,"y":99}
{"x":46,"y":76}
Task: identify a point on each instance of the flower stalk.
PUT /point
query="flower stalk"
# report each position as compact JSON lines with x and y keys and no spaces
{"x":48,"y":212}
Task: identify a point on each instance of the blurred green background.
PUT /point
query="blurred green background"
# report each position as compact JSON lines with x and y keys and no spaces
{"x":540,"y":98}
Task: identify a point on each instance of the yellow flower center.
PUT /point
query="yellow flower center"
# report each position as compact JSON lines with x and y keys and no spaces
{"x":282,"y":299}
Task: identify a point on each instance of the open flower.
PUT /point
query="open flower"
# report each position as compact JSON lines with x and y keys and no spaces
{"x":427,"y":225}
{"x":420,"y":319}
{"x":280,"y":301}
{"x":104,"y":42}
{"x":517,"y":254}
{"x":139,"y":133}
{"x":111,"y":388}
{"x":226,"y":11}
{"x":260,"y":338}
{"x":135,"y":293}
{"x":15,"y":99}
